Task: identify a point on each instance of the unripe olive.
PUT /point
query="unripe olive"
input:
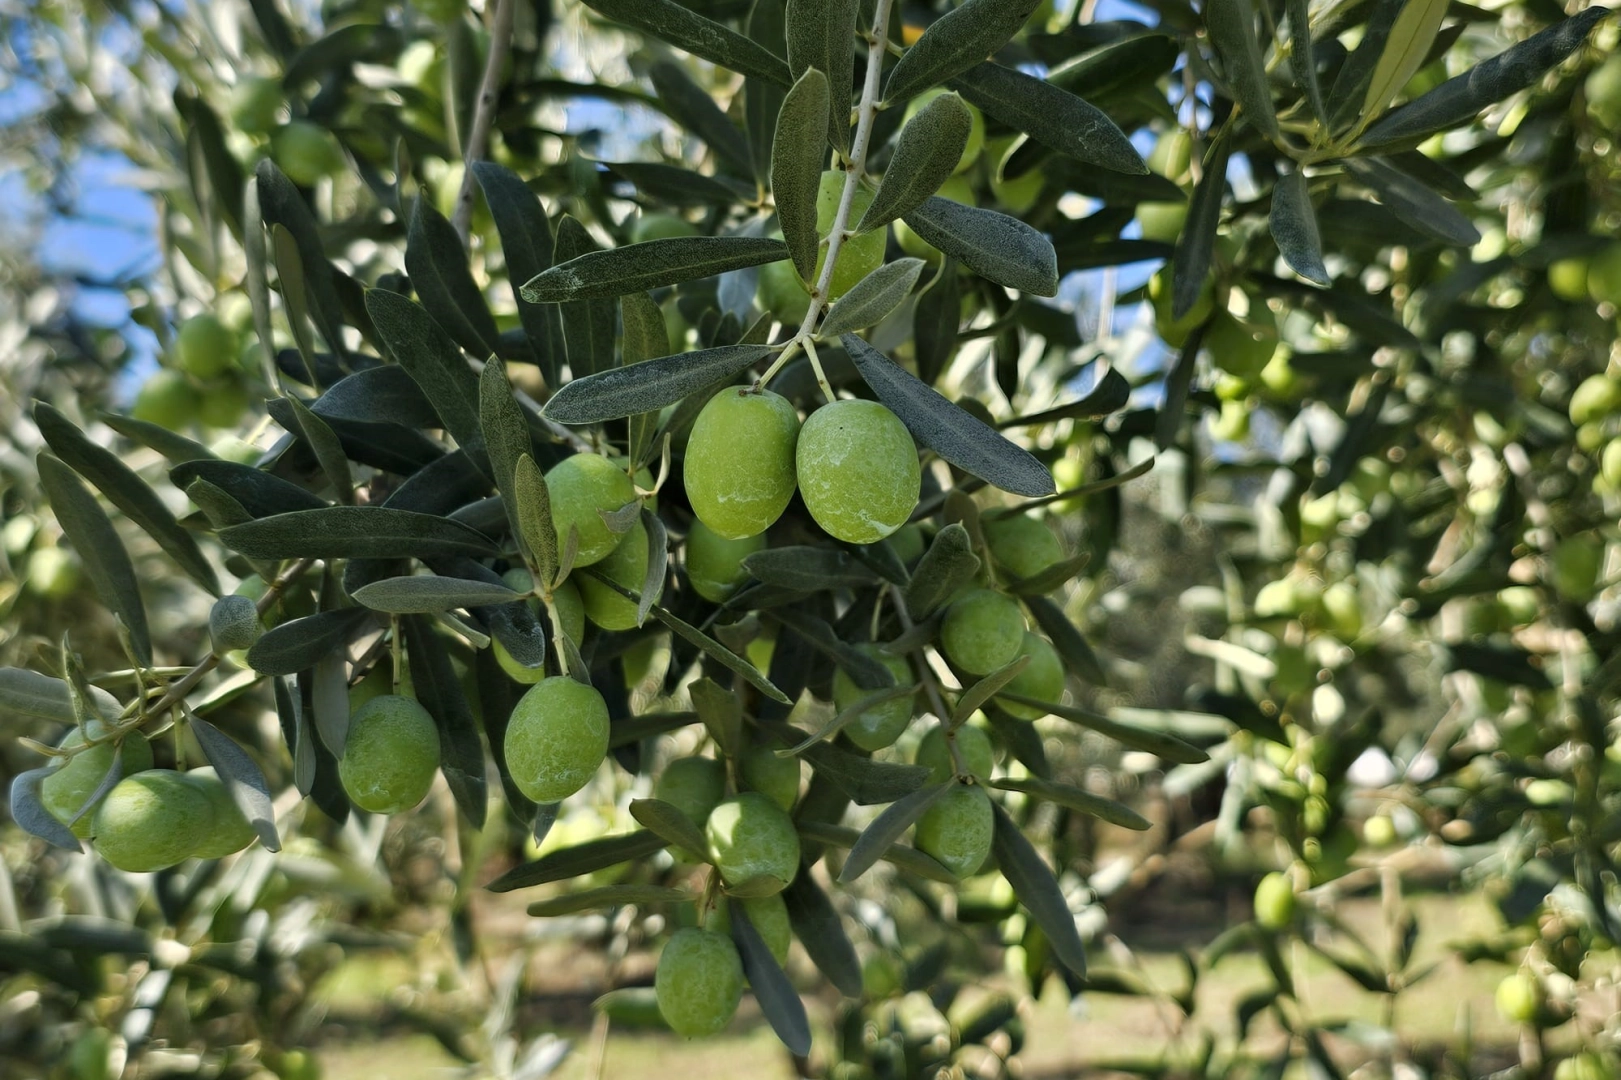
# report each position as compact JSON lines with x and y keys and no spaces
{"x":390,"y":755}
{"x":166,"y":399}
{"x":1520,"y":998}
{"x":660,"y":226}
{"x":1567,"y":279}
{"x":228,"y":830}
{"x":306,"y":152}
{"x":693,"y":785}
{"x":1016,"y":194}
{"x":53,"y":573}
{"x":780,"y":291}
{"x":1022,"y":545}
{"x":973,"y":746}
{"x":715,"y":564}
{"x":767,"y":914}
{"x":1344,"y":610}
{"x":222,"y":403}
{"x":1173,"y":331}
{"x":699,"y":982}
{"x":957,"y":830}
{"x":739,"y":465}
{"x":233,"y":623}
{"x":858,"y":470}
{"x":1597,"y":397}
{"x":256,"y":104}
{"x":579,"y":487}
{"x":982,"y":631}
{"x":908,"y":544}
{"x":626,"y":565}
{"x":1042,"y":678}
{"x":777,"y":778}
{"x":150,"y":821}
{"x":752,"y":837}
{"x":72,"y":781}
{"x":570,"y":606}
{"x":976,"y":130}
{"x":1275,"y":901}
{"x":1576,"y":563}
{"x":881,"y":725}
{"x":1604,"y":276}
{"x":1242,"y":348}
{"x":1172,"y":155}
{"x":556,"y":738}
{"x":204,"y":346}
{"x":1610,"y":463}
{"x":858,"y":255}
{"x":1162,"y":221}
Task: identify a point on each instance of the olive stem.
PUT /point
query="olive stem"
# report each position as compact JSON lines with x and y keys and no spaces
{"x":930,"y":687}
{"x":489,"y":91}
{"x":816,"y":366}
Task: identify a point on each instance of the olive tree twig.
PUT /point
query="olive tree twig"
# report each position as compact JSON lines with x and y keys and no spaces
{"x":489,"y":91}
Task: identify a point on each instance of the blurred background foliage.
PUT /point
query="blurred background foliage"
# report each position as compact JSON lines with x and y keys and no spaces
{"x":1373,"y":570}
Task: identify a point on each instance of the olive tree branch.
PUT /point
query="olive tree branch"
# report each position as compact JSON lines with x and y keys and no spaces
{"x":930,"y":687}
{"x":489,"y":91}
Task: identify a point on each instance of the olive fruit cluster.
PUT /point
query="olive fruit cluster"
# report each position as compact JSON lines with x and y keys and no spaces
{"x":204,"y":380}
{"x":156,"y":818}
{"x":852,"y":461}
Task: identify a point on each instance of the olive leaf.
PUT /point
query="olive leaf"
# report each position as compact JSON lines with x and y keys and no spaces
{"x":691,"y":106}
{"x":650,"y":385}
{"x":537,"y":533}
{"x":242,"y":777}
{"x":646,"y":337}
{"x":1078,"y":657}
{"x":328,"y":449}
{"x":1414,"y":203}
{"x":461,"y":753}
{"x":429,"y":355}
{"x":1076,"y":799}
{"x":873,"y":298}
{"x":177,"y":448}
{"x":28,"y":811}
{"x":581,"y":859}
{"x":1303,"y":56}
{"x":947,"y":566}
{"x":1231,"y":24}
{"x":936,"y":319}
{"x":658,"y":563}
{"x":1052,"y":116}
{"x":649,"y":265}
{"x":1190,"y":266}
{"x":958,"y":436}
{"x":506,"y":438}
{"x":91,"y":532}
{"x":437,"y":263}
{"x":587,"y":326}
{"x":670,"y":823}
{"x":887,"y":828}
{"x":526,"y":245}
{"x":954,"y":43}
{"x":30,"y":693}
{"x":610,"y":896}
{"x":686,"y":29}
{"x":930,"y":146}
{"x":807,"y":568}
{"x":821,"y":34}
{"x":986,"y":688}
{"x":1033,"y":883}
{"x":1162,"y":743}
{"x":426,"y":595}
{"x":1294,"y":228}
{"x":991,"y":244}
{"x":817,"y":925}
{"x":866,"y":782}
{"x":1409,"y":42}
{"x":775,"y":994}
{"x":354,"y":532}
{"x":903,"y":857}
{"x":796,"y":168}
{"x":721,"y":714}
{"x":385,"y":393}
{"x":125,"y":490}
{"x":298,"y":644}
{"x":259,"y":493}
{"x":718,"y":652}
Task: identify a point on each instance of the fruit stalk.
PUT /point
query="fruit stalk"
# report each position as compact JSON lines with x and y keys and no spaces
{"x":489,"y":90}
{"x":936,"y":702}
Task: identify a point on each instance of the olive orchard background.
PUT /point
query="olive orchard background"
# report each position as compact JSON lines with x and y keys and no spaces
{"x":1363,"y":587}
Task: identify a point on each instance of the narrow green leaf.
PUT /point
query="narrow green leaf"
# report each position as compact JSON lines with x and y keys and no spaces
{"x":948,"y":565}
{"x":954,"y":43}
{"x":259,"y":493}
{"x":587,"y":325}
{"x":1078,"y":800}
{"x":817,"y":925}
{"x":986,"y":688}
{"x":762,"y":100}
{"x":887,"y":828}
{"x":721,"y":654}
{"x":649,"y":265}
{"x":807,"y":568}
{"x":685,"y":29}
{"x":866,"y":782}
{"x":1351,"y":82}
{"x":610,"y":896}
{"x":772,"y":990}
{"x":796,"y":168}
{"x":242,"y":778}
{"x":903,"y":857}
{"x":383,"y":394}
{"x":1415,"y":28}
{"x":1460,"y":98}
{"x":721,"y":714}
{"x":1231,"y":24}
{"x":646,"y":337}
{"x":329,"y":453}
{"x":991,"y":244}
{"x":299,"y":644}
{"x":125,"y":490}
{"x":1294,"y":228}
{"x":354,"y":532}
{"x":840,"y":720}
{"x":536,"y":531}
{"x":671,"y":824}
{"x":1165,"y":745}
{"x":1415,"y":204}
{"x":31,"y":694}
{"x":438,"y":267}
{"x":873,"y":298}
{"x":930,"y":146}
{"x":678,"y":186}
{"x":821,"y":34}
{"x":1190,"y":266}
{"x":428,"y":354}
{"x":650,"y":385}
{"x":1078,"y":657}
{"x":506,"y":438}
{"x":573,"y":862}
{"x":1052,"y":116}
{"x":936,"y":320}
{"x":1303,"y":57}
{"x":461,"y":753}
{"x":956,"y":435}
{"x":177,"y":448}
{"x":526,"y":245}
{"x":91,"y":532}
{"x":1037,"y":889}
{"x":424,"y":595}
{"x":691,"y":106}
{"x":658,"y":563}
{"x":281,"y":204}
{"x":28,"y":811}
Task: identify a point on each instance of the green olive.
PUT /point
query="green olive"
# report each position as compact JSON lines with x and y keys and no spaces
{"x":1042,"y":678}
{"x":767,"y":914}
{"x":1596,"y":398}
{"x":1242,"y":348}
{"x":581,"y":487}
{"x":858,"y":255}
{"x":1520,"y":998}
{"x":698,"y":982}
{"x":626,"y":565}
{"x":204,"y":347}
{"x":976,"y":130}
{"x":1022,"y":545}
{"x":53,"y":573}
{"x":150,"y":821}
{"x":71,"y":782}
{"x":168,"y":400}
{"x":740,"y":494}
{"x":390,"y":755}
{"x":693,"y":785}
{"x":556,"y":739}
{"x":956,"y":831}
{"x":1604,"y":276}
{"x":660,"y":226}
{"x":1173,"y":331}
{"x":233,"y":623}
{"x":777,"y":778}
{"x":973,"y":746}
{"x":858,"y":470}
{"x":715,"y":564}
{"x":306,"y":152}
{"x":982,"y":631}
{"x":222,"y":403}
{"x":256,"y":103}
{"x":228,"y":831}
{"x":1275,"y":901}
{"x":882,"y":724}
{"x":750,"y":837}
